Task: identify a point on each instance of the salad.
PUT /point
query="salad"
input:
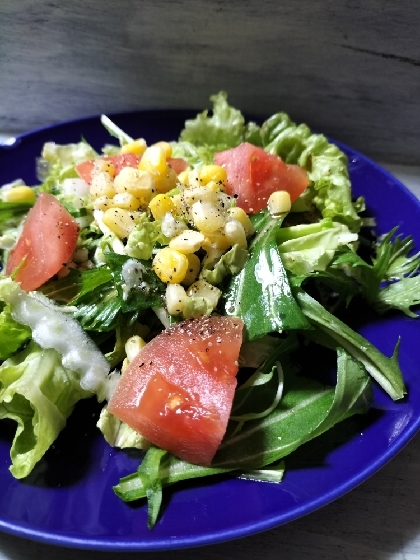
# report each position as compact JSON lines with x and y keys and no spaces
{"x":179,"y":284}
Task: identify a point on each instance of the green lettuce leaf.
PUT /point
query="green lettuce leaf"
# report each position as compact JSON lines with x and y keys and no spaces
{"x":205,"y":135}
{"x":115,"y":131}
{"x":58,"y":162}
{"x":229,"y":264}
{"x":118,"y":434}
{"x":142,"y":239}
{"x":39,"y":394}
{"x":325,"y":163}
{"x":313,"y":250}
{"x":194,"y":155}
{"x":224,"y":129}
{"x":12,"y":334}
{"x":53,"y":328}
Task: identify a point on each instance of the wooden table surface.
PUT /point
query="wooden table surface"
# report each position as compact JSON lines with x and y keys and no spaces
{"x":379,"y":520}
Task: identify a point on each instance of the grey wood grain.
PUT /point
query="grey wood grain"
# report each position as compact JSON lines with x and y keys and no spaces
{"x":350,"y":69}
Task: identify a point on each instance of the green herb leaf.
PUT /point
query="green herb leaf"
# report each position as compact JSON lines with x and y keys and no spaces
{"x":150,"y":478}
{"x":264,"y":387}
{"x":401,"y":295}
{"x":333,"y":333}
{"x":148,"y":290}
{"x":260,"y":294}
{"x":99,"y":309}
{"x":272,"y":473}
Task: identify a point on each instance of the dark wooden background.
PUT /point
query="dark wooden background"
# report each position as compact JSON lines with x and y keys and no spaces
{"x":349,"y":68}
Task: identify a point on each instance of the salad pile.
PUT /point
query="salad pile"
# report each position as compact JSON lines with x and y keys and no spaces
{"x":179,"y":283}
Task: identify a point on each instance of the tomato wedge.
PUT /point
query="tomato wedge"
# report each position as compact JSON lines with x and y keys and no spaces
{"x":84,"y":169}
{"x":179,"y":389}
{"x":253,"y":174}
{"x":47,"y":242}
{"x":178,"y":164}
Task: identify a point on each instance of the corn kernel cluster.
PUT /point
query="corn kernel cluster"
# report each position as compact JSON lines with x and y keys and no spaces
{"x":196,"y":215}
{"x":118,"y":197}
{"x":213,"y":224}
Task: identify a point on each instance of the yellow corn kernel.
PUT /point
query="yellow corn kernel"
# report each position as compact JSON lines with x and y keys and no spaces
{"x":140,"y":184}
{"x":183,"y":177}
{"x":194,"y":178}
{"x":19,"y":194}
{"x":239,"y":214}
{"x":214,"y":173}
{"x":199,"y":194}
{"x":178,"y":204}
{"x":102,"y":185}
{"x":170,"y":265}
{"x":279,"y":202}
{"x":105,"y":166}
{"x":175,"y":297}
{"x":165,"y":181}
{"x":215,"y":187}
{"x":124,"y":366}
{"x":137,"y":147}
{"x":103,"y":203}
{"x":126,"y":201}
{"x":133,"y":346}
{"x":189,"y":241}
{"x":225,"y":201}
{"x":235,"y":233}
{"x":167,"y":147}
{"x":194,"y":266}
{"x":154,"y":160}
{"x":119,"y":221}
{"x":160,"y":205}
{"x":215,"y":242}
{"x":207,"y":217}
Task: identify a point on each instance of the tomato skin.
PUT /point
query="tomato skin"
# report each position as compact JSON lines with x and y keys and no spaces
{"x":179,"y":389}
{"x":178,"y":164}
{"x":84,"y":169}
{"x":253,"y":174}
{"x":48,"y":240}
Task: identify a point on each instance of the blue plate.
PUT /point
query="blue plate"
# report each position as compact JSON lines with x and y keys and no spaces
{"x":68,"y":499}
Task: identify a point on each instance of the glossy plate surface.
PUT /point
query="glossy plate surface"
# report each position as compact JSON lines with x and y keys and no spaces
{"x":68,"y":499}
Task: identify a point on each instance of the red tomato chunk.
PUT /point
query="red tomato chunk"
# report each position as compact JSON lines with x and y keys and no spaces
{"x":178,"y":164}
{"x":84,"y":170}
{"x":179,"y":389}
{"x":47,"y":243}
{"x":253,"y":174}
